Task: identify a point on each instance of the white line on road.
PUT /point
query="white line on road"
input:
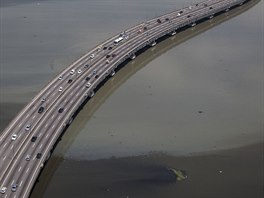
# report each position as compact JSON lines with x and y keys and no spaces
{"x":47,"y":135}
{"x":46,"y":125}
{"x":53,"y":126}
{"x":40,"y":134}
{"x":27,"y":170}
{"x":11,"y":147}
{"x":19,"y":169}
{"x":33,"y":145}
{"x":27,"y":115}
{"x":5,"y":145}
{"x":21,"y":183}
{"x":4,"y":158}
{"x":41,"y":146}
{"x":34,"y":116}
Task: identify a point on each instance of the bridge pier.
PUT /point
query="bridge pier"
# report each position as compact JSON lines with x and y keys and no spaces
{"x":92,"y":94}
{"x":112,"y":73}
{"x":173,"y":33}
{"x":153,"y":44}
{"x":133,"y":56}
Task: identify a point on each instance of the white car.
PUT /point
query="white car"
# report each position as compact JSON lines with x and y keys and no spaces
{"x":14,"y":137}
{"x":88,"y":85}
{"x":28,"y":157}
{"x":91,"y":56}
{"x":28,"y":127}
{"x":43,"y":99}
{"x":72,"y":71}
{"x":3,"y":190}
{"x":79,"y":71}
{"x":60,"y":77}
{"x":60,"y":89}
{"x":14,"y":187}
{"x":179,"y":14}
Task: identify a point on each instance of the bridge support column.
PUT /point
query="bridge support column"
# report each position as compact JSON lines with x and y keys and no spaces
{"x":173,"y":33}
{"x":153,"y":44}
{"x":92,"y":94}
{"x":112,"y":73}
{"x":133,"y":56}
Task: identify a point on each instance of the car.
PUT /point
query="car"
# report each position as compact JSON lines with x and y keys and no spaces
{"x":179,"y":14}
{"x":94,"y":71}
{"x":28,"y":157}
{"x":158,"y":20}
{"x":14,"y":137}
{"x":72,"y":71}
{"x":28,"y":127}
{"x":43,"y":99}
{"x":211,"y":8}
{"x":34,"y":138}
{"x":109,"y":48}
{"x":3,"y":190}
{"x":39,"y":155}
{"x":13,"y":187}
{"x":88,"y":85}
{"x":70,"y":80}
{"x":167,"y":19}
{"x":60,"y":89}
{"x":104,"y":48}
{"x":60,"y":78}
{"x":79,"y":71}
{"x":86,"y":66}
{"x":41,"y":109}
{"x":60,"y":110}
{"x":188,"y":16}
{"x":87,"y":78}
{"x":96,"y":76}
{"x":107,"y":56}
{"x":92,"y":56}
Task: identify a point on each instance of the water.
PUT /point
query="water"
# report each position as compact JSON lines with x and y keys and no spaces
{"x":190,"y":104}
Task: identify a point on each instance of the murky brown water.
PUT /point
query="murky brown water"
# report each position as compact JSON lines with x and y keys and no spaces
{"x":192,"y":103}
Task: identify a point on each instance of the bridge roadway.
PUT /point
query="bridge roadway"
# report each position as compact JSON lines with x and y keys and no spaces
{"x":48,"y":125}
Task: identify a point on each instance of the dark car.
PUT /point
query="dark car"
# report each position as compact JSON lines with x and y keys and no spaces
{"x":34,"y":138}
{"x":158,"y":20}
{"x":39,"y":155}
{"x":167,"y":19}
{"x":41,"y":109}
{"x":60,"y":110}
{"x":87,"y":78}
{"x":108,"y":56}
{"x":110,"y":48}
{"x":96,"y":76}
{"x":70,"y":80}
{"x":104,"y":48}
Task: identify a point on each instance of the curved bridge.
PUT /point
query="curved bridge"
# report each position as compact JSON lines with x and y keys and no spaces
{"x":27,"y":142}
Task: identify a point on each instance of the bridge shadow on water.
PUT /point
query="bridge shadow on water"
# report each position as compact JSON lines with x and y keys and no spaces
{"x":110,"y":85}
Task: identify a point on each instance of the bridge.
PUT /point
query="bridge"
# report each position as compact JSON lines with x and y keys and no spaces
{"x":27,"y":142}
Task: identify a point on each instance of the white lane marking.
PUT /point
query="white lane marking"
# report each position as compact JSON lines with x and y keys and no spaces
{"x":15,"y":196}
{"x":27,"y":115}
{"x":33,"y":145}
{"x":20,"y":125}
{"x":27,"y":170}
{"x":4,"y":158}
{"x":46,"y":126}
{"x":71,"y":102}
{"x":21,"y":183}
{"x":53,"y":126}
{"x":19,"y":169}
{"x":41,"y":146}
{"x":47,"y":135}
{"x":59,"y":117}
{"x":34,"y":116}
{"x":52,"y":116}
{"x":48,"y":93}
{"x":11,"y":147}
{"x":5,"y":196}
{"x":40,"y":134}
{"x":5,"y":145}
{"x":13,"y":181}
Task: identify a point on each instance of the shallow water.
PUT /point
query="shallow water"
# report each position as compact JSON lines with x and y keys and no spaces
{"x":182,"y":98}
